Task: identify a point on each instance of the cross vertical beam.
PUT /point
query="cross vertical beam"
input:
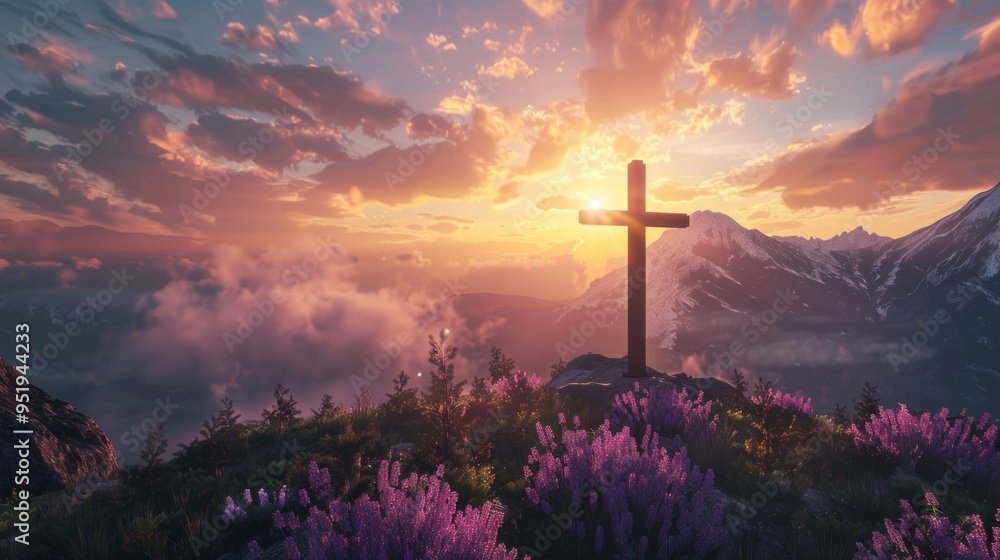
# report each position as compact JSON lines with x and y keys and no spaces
{"x":637,"y":220}
{"x":637,"y":271}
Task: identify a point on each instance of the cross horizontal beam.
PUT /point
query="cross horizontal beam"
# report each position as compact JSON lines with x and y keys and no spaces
{"x":625,"y":218}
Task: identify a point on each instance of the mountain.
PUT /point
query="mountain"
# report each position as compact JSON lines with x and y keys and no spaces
{"x":918,"y":314}
{"x":855,"y":239}
{"x":66,"y":447}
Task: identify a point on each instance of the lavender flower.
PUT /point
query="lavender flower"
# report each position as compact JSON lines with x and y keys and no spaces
{"x":515,"y":385}
{"x":637,"y":486}
{"x":932,"y":536}
{"x":784,"y":400}
{"x":908,"y":438}
{"x":416,"y":517}
{"x":670,"y":412}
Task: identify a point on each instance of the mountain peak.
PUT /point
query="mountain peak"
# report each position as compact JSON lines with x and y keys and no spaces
{"x":707,"y":218}
{"x":857,"y":238}
{"x":984,"y":205}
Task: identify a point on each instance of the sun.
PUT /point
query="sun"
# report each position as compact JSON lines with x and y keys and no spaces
{"x":594,"y":203}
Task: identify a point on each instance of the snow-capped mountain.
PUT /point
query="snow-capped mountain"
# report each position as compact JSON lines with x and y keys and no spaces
{"x":857,"y":298}
{"x":855,"y":239}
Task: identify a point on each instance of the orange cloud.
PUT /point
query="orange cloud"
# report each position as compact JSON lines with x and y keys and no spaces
{"x":637,"y":50}
{"x":889,"y":26}
{"x":768,"y":74}
{"x":162,"y":10}
{"x":509,"y":67}
{"x":930,"y":137}
{"x":260,"y":39}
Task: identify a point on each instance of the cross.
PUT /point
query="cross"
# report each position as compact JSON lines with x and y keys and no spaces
{"x":637,"y":220}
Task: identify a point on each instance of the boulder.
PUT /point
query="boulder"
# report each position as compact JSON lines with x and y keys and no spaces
{"x":597,"y":379}
{"x":67,"y":446}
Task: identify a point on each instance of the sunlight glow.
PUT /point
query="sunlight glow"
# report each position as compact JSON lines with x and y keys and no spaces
{"x":594,"y":203}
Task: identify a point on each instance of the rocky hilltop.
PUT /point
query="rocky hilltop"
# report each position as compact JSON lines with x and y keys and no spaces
{"x":597,"y":378}
{"x":67,"y":445}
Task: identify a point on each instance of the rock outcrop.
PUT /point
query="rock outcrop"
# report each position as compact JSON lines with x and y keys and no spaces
{"x":596,"y":378}
{"x":67,"y":445}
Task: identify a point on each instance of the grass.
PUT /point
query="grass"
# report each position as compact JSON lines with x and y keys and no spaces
{"x":178,"y":514}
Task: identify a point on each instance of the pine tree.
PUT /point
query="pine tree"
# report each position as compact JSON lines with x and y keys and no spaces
{"x":154,"y":448}
{"x":868,"y":404}
{"x":500,"y":365}
{"x":282,"y":413}
{"x":443,"y":400}
{"x":840,"y":416}
{"x":227,"y":416}
{"x":558,"y":367}
{"x":152,"y":452}
{"x":327,"y":409}
{"x":402,"y":404}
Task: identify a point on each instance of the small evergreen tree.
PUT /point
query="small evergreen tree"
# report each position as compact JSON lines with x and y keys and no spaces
{"x":443,"y":401}
{"x":154,"y":448}
{"x":558,"y":367}
{"x":363,"y":402}
{"x":500,"y":365}
{"x":327,"y":410}
{"x":840,"y":416}
{"x":283,"y":413}
{"x":402,"y":404}
{"x":152,"y":452}
{"x":227,"y":416}
{"x":739,"y":383}
{"x":868,"y":405}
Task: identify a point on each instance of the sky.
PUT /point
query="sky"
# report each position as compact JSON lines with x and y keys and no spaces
{"x":458,"y":139}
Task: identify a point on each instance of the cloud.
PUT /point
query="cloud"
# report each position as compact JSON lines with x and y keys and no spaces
{"x":440,"y":42}
{"x":291,"y":317}
{"x":423,"y":126}
{"x":931,"y":136}
{"x":637,"y":49}
{"x":507,"y":192}
{"x":544,"y":8}
{"x":469,"y":158}
{"x":889,"y":26}
{"x":560,"y":202}
{"x":210,"y":82}
{"x":445,"y":218}
{"x":416,"y":258}
{"x":672,"y":191}
{"x":162,"y":10}
{"x":767,"y":74}
{"x":51,"y":60}
{"x":548,"y":277}
{"x":509,"y":67}
{"x":559,"y":128}
{"x":806,"y":12}
{"x":238,"y":139}
{"x":444,"y":228}
{"x":625,"y":147}
{"x":261,"y":39}
{"x":843,"y":41}
{"x":704,"y":117}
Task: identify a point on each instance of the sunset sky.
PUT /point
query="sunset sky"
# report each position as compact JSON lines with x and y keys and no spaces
{"x":789,"y":116}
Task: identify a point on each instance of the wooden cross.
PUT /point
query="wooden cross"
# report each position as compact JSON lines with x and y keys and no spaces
{"x":637,"y":220}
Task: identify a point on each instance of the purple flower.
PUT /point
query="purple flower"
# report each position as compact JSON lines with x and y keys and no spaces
{"x":931,"y":536}
{"x":625,"y":481}
{"x":784,"y":400}
{"x":516,"y":385}
{"x":416,"y":517}
{"x":670,"y":412}
{"x":907,"y":438}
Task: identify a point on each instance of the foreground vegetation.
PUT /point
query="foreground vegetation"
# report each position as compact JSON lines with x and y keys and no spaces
{"x":507,"y":468}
